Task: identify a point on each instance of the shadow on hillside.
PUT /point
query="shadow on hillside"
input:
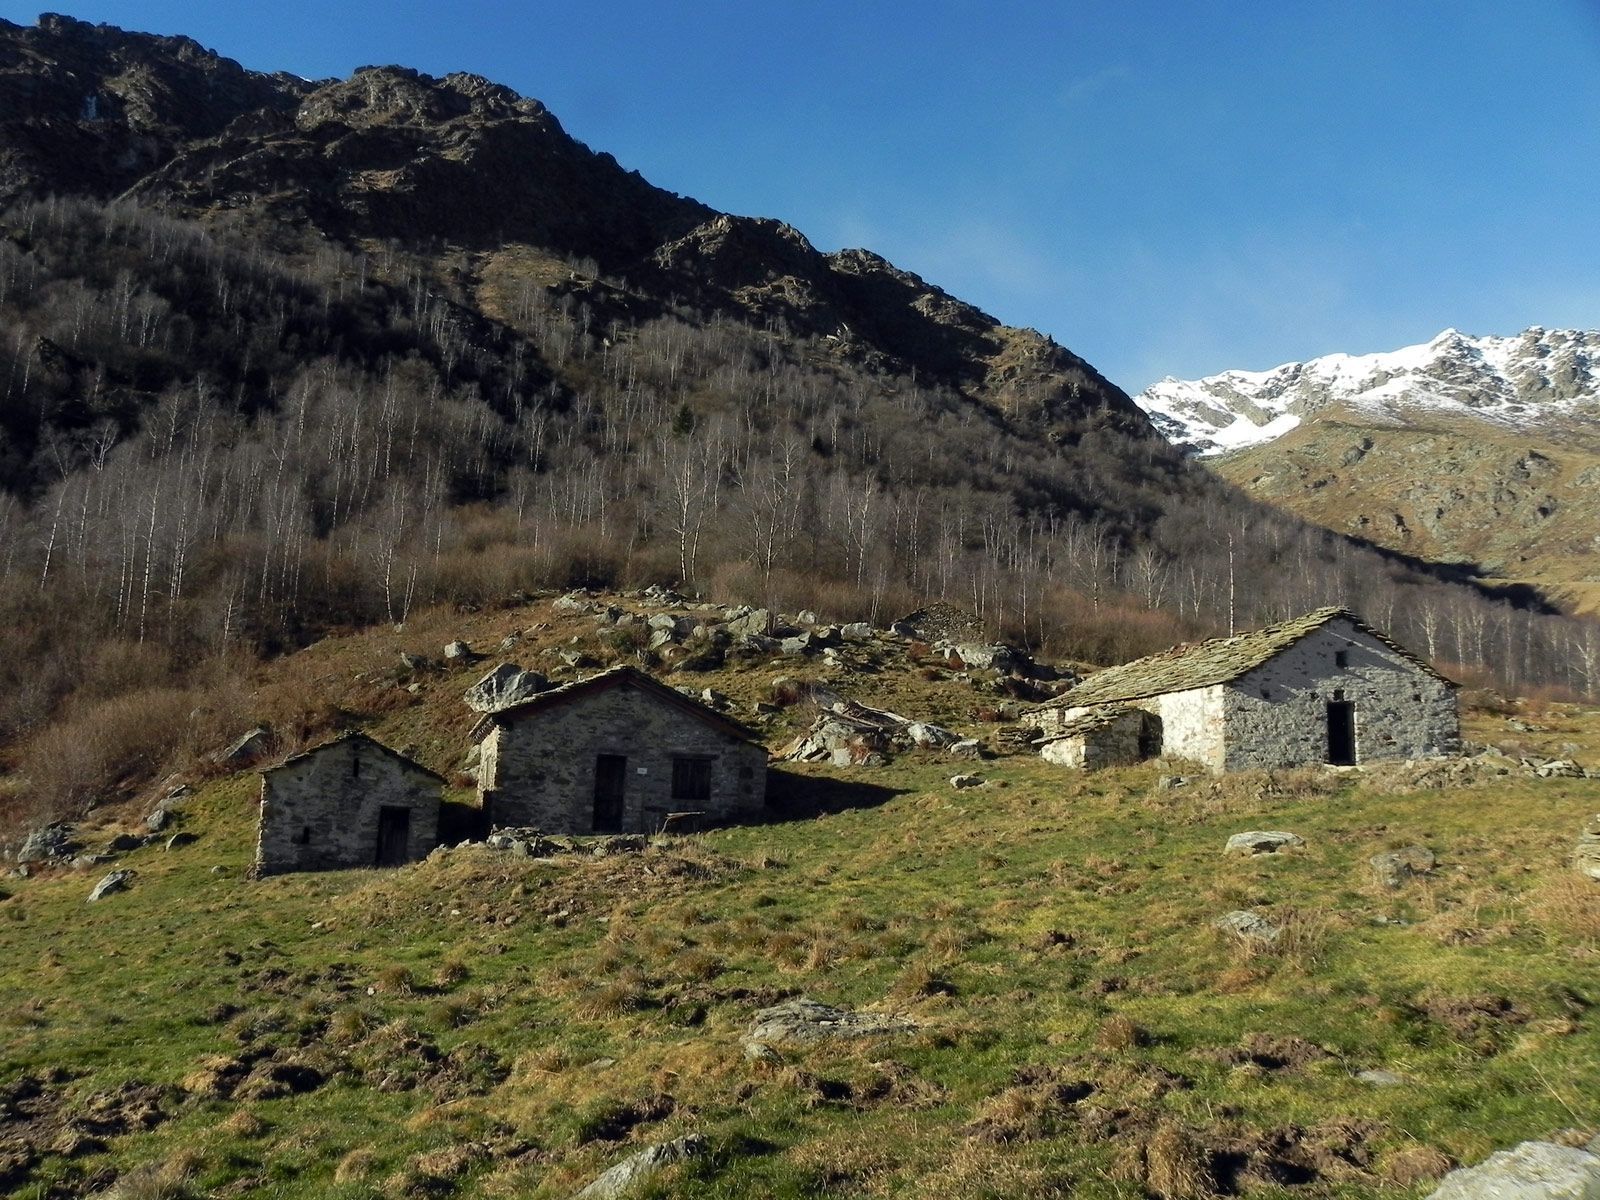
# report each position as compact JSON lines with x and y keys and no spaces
{"x":794,"y":797}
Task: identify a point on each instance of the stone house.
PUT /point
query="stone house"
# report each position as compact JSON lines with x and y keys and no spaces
{"x":1323,"y":688}
{"x":351,"y":802}
{"x":616,"y":753}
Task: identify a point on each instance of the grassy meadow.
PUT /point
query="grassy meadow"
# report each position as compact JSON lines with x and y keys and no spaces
{"x":484,"y":1025}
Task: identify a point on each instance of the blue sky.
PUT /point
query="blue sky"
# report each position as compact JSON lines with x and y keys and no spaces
{"x":1167,"y":188}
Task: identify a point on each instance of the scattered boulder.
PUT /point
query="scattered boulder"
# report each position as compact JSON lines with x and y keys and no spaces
{"x":901,"y":630}
{"x":247,"y":748}
{"x":181,"y":839}
{"x":1168,"y":782}
{"x":960,"y":782}
{"x":572,"y":602}
{"x":1586,"y":855}
{"x":123,"y":843}
{"x":924,"y":733}
{"x":506,"y":685}
{"x":969,"y":748}
{"x":117,"y":881}
{"x":459,"y":653}
{"x":1262,"y":841}
{"x":1530,"y":1171}
{"x":840,"y":739}
{"x":52,"y":841}
{"x":755,"y":622}
{"x":635,"y":1172}
{"x":800,"y":643}
{"x":805,"y":617}
{"x":1248,"y":926}
{"x":803,"y":1020}
{"x":1562,"y":768}
{"x":1395,"y":867}
{"x":414,"y":662}
{"x":856,"y":631}
{"x":158,"y":819}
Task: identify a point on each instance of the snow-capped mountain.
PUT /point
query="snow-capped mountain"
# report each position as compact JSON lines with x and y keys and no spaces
{"x":1532,"y":379}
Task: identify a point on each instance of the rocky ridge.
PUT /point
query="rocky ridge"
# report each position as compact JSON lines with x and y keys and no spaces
{"x":394,"y":156}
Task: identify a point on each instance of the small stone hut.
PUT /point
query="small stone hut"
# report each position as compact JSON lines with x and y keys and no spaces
{"x":1323,"y":688}
{"x":351,"y":802}
{"x":616,"y":753}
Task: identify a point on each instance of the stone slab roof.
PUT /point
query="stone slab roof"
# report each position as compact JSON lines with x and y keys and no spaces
{"x":354,"y":735}
{"x":1220,"y":660}
{"x":623,"y":676}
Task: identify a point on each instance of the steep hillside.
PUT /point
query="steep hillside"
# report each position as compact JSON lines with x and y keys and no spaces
{"x":393,"y":156}
{"x":282,"y":358}
{"x":1057,"y":1011}
{"x":1506,"y":503}
{"x":1483,"y":452}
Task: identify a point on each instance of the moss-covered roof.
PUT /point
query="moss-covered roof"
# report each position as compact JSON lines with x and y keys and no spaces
{"x":1202,"y":664}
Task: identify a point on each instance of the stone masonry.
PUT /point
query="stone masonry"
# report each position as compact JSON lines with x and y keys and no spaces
{"x":342,"y":804}
{"x":541,"y":767}
{"x":1276,"y":712}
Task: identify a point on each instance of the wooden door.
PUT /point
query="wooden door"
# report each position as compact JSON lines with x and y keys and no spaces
{"x":394,"y":836}
{"x":610,"y":787}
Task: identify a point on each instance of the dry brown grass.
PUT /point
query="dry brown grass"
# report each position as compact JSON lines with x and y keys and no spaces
{"x":1570,"y":904}
{"x":1118,"y":1032}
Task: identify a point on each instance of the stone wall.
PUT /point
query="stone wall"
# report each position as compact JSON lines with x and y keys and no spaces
{"x":1192,"y":725}
{"x":1114,"y":744}
{"x":1276,"y":715}
{"x":319,"y":811}
{"x":538,"y":770}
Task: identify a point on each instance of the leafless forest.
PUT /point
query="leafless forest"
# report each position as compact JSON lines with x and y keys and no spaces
{"x":211,"y":453}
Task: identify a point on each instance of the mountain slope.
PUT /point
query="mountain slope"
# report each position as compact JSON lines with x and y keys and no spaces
{"x":394,"y":156}
{"x":1483,"y":452}
{"x":1541,"y":379}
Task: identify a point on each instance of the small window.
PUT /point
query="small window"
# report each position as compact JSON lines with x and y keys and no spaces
{"x":691,"y":778}
{"x":1266,"y":693}
{"x":1341,"y":658}
{"x":355,"y":764}
{"x":303,"y":838}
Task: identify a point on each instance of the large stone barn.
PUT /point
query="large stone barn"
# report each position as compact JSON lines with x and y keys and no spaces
{"x":616,"y":753}
{"x":351,"y":802}
{"x":1325,"y":688}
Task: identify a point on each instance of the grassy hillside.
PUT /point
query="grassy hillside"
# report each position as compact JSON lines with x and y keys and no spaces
{"x":1515,"y":506}
{"x":483,"y":1025}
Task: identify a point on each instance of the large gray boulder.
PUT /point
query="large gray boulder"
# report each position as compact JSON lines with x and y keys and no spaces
{"x":52,"y":841}
{"x":1248,"y":926}
{"x":504,"y":686}
{"x":247,"y":748}
{"x":1531,"y":1171}
{"x":632,"y":1174}
{"x":117,"y":881}
{"x":1262,"y":841}
{"x":754,"y":623}
{"x":803,"y":1020}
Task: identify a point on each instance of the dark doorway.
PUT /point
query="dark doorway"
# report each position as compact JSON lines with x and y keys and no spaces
{"x":610,"y":781}
{"x":394,"y":836}
{"x":1342,"y":732}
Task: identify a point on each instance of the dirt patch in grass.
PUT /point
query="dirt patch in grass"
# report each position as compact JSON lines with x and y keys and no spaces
{"x":1481,"y":1021}
{"x":1271,"y":1052}
{"x":39,"y":1118}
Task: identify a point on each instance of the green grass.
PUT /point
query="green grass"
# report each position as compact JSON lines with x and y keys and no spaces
{"x":483,"y":1026}
{"x":584,"y":1008}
